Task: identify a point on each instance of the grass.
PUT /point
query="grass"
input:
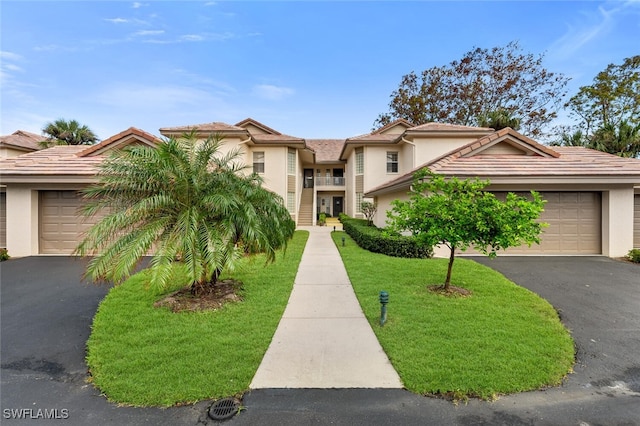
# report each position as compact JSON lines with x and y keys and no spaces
{"x":145,"y":356}
{"x":502,"y":339}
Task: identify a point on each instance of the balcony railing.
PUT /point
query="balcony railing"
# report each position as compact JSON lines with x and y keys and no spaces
{"x":330,"y":181}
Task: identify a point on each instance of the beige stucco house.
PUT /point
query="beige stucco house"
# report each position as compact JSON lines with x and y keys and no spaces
{"x":593,"y":198}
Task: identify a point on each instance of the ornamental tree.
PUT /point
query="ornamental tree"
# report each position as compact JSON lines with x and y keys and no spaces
{"x":461,"y":214}
{"x":183,"y":201}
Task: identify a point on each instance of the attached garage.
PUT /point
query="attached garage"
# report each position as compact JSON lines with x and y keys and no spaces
{"x":636,"y":221}
{"x":61,"y":226}
{"x":575,"y":225}
{"x":3,"y":220}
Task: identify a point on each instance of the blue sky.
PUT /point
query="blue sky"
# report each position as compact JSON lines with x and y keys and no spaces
{"x":308,"y":69}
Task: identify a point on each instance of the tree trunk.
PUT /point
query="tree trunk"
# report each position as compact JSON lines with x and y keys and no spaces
{"x":451,"y":259}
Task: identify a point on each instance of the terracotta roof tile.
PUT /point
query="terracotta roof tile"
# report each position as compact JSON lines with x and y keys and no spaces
{"x":438,"y":127}
{"x":394,"y":123}
{"x":216,"y":126}
{"x":327,"y":150}
{"x":256,"y":123}
{"x":59,"y":160}
{"x":131,"y":131}
{"x":22,"y":139}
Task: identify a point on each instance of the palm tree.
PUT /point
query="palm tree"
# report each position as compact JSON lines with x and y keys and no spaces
{"x":499,"y":119}
{"x":183,"y":200}
{"x":623,"y":141}
{"x":63,"y":132}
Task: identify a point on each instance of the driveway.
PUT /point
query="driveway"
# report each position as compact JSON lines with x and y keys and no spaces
{"x":46,"y":312}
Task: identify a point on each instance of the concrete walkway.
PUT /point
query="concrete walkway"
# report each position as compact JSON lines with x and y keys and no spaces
{"x":323,"y":339}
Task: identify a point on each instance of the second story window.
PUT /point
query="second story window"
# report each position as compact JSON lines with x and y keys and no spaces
{"x":359,"y":161}
{"x":258,"y":162}
{"x":291,"y":162}
{"x":392,"y":162}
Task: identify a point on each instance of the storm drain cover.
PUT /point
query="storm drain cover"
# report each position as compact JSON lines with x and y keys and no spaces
{"x":223,"y":409}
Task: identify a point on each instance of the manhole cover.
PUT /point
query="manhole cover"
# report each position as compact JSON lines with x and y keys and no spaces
{"x":223,"y":409}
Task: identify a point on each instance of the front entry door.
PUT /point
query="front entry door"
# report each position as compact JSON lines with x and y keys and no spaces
{"x":337,"y":206}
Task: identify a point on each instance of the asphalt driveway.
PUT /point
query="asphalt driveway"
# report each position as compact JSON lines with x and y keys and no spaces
{"x":46,"y":311}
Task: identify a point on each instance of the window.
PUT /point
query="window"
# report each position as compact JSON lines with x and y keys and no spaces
{"x":359,"y":198}
{"x":258,"y":162}
{"x":359,"y":161}
{"x":392,"y":162}
{"x":291,"y":162}
{"x":291,"y":202}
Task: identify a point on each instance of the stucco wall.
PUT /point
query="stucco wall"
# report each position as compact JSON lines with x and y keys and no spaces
{"x":22,"y":220}
{"x":617,"y":222}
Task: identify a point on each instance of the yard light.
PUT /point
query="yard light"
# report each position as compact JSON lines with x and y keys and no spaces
{"x":384,"y":299}
{"x":343,"y":241}
{"x":334,"y":228}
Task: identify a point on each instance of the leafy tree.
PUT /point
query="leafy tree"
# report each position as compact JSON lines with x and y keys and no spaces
{"x":613,"y":97}
{"x":369,"y":210}
{"x":63,"y":132}
{"x":460,"y":214}
{"x":183,"y":200}
{"x":497,"y":79}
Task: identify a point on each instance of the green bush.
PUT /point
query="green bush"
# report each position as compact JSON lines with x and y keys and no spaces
{"x":4,"y":254}
{"x":634,"y":255}
{"x":376,"y":240}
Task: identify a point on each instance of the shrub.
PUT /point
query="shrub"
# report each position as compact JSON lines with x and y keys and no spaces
{"x":634,"y":255}
{"x":378,"y":241}
{"x":4,"y":254}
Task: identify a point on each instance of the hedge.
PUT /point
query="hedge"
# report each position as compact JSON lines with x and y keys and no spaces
{"x":376,"y":240}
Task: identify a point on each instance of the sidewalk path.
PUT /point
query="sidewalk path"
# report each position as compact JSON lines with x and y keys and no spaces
{"x":323,"y":339}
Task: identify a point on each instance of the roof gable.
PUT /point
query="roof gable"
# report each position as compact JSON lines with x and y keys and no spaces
{"x":22,"y":140}
{"x":255,"y":127}
{"x":395,"y":127}
{"x":505,"y":142}
{"x":205,"y":128}
{"x":130,"y":137}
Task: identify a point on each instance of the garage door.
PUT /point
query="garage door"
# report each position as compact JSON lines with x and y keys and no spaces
{"x":636,"y":221}
{"x":61,"y":227}
{"x":575,"y":225}
{"x":3,"y":220}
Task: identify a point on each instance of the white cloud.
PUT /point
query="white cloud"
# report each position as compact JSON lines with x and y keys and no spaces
{"x":10,"y":56}
{"x":117,"y":20}
{"x":271,"y":92}
{"x":148,"y":32}
{"x":191,"y":37}
{"x":138,"y":5}
{"x":12,"y":67}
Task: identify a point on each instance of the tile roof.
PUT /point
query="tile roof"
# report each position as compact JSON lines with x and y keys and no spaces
{"x":248,"y":121}
{"x":130,"y":132}
{"x":326,"y":150}
{"x":58,"y":160}
{"x":394,"y":123}
{"x":439,"y":127}
{"x":216,"y":126}
{"x":559,"y":161}
{"x":22,"y":139}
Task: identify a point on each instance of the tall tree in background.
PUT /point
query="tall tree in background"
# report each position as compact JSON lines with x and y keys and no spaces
{"x":63,"y":132}
{"x":613,"y":97}
{"x":484,"y":80}
{"x":499,"y":120}
{"x":608,"y":111}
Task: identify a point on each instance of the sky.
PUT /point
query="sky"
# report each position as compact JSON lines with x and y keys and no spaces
{"x":311,"y":69}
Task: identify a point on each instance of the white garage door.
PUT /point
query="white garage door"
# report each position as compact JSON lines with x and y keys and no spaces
{"x":61,"y":227}
{"x":575,"y":225}
{"x":636,"y":221}
{"x":3,"y":220}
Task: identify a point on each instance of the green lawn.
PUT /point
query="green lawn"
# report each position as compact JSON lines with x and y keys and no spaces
{"x":145,"y":356}
{"x":502,"y":339}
